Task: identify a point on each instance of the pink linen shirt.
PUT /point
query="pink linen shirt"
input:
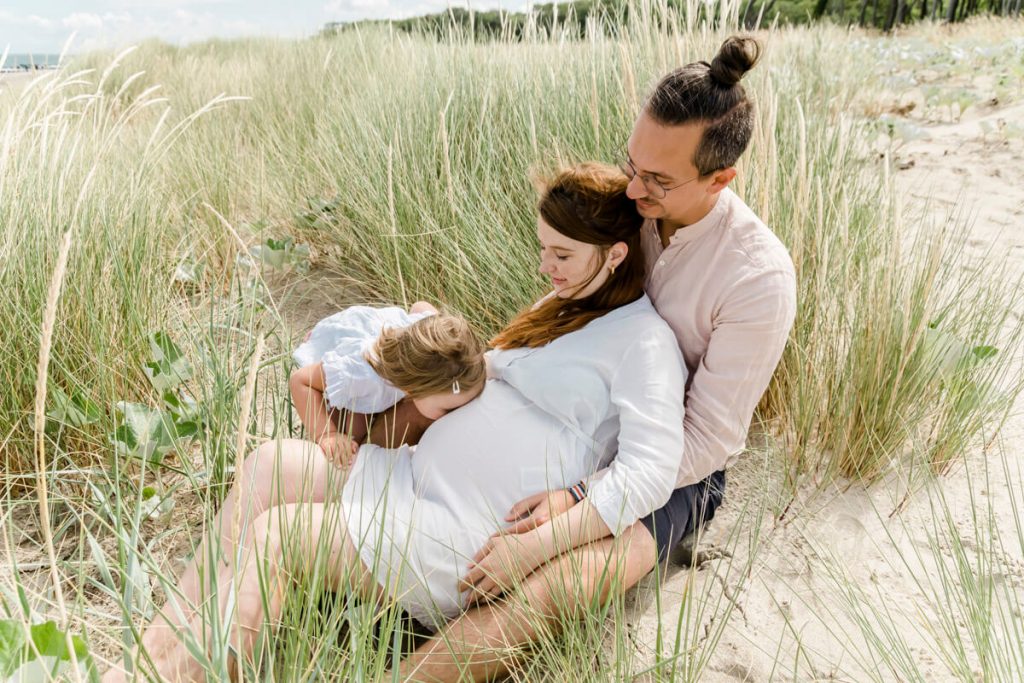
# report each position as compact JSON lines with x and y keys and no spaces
{"x":727,"y":288}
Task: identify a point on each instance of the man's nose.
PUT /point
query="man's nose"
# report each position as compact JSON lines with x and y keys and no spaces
{"x":636,"y":188}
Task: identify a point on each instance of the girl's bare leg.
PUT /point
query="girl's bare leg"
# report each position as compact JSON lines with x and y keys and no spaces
{"x":285,"y":544}
{"x":354,"y":425}
{"x":423,"y":307}
{"x":398,"y":425}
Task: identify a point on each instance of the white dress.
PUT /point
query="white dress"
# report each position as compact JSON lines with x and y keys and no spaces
{"x":341,"y":341}
{"x":609,"y":394}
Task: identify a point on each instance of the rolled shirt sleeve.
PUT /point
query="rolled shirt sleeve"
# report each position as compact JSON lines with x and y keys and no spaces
{"x":647,"y":389}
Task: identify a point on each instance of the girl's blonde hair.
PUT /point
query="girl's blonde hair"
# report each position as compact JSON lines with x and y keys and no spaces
{"x":431,"y":356}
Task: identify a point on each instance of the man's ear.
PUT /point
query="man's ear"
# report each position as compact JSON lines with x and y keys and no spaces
{"x":720,"y":179}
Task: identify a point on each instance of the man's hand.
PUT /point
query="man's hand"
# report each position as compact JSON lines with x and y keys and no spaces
{"x":500,"y":565}
{"x":530,"y":513}
{"x":339,"y":449}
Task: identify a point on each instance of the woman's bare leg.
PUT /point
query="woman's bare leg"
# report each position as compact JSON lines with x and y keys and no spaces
{"x":481,"y":643}
{"x":277,"y":472}
{"x":285,"y":545}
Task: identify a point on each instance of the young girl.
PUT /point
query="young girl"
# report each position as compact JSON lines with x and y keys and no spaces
{"x":364,"y":360}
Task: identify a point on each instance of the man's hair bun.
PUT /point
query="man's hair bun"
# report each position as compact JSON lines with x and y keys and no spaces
{"x":737,"y":56}
{"x":711,"y":95}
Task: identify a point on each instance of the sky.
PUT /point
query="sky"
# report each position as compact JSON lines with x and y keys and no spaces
{"x":43,"y":26}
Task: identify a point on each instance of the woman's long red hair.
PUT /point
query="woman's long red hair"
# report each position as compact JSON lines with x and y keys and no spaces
{"x":587,"y":203}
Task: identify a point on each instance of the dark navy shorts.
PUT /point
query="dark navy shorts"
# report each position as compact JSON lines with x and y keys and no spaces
{"x":689,"y":508}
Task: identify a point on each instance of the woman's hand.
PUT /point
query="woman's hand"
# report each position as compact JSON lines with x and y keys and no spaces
{"x":500,"y":565}
{"x":339,"y":450}
{"x":530,"y":513}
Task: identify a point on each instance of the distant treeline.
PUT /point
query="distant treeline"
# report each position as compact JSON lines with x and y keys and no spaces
{"x":572,"y":17}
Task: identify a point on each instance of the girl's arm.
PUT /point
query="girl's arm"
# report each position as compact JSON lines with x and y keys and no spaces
{"x":399,"y":424}
{"x":307,"y":389}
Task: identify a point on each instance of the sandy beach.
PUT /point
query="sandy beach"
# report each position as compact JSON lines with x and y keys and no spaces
{"x":12,"y":82}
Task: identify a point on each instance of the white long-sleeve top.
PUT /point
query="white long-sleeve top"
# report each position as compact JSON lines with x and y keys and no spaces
{"x":618,"y":385}
{"x":607,"y":395}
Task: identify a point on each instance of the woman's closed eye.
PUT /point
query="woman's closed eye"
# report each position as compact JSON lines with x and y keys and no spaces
{"x":558,"y":257}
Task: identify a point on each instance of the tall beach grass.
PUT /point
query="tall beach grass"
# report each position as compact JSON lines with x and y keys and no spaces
{"x":403,"y":162}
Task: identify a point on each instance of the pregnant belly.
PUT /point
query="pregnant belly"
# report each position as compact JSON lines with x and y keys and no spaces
{"x":483,"y":458}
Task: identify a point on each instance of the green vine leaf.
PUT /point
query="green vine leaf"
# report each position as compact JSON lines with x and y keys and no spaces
{"x":168,"y":366}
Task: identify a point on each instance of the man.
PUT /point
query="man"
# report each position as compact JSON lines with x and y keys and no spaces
{"x":726,"y":286}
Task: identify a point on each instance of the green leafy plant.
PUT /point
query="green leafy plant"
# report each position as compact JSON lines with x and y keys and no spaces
{"x":151,"y":433}
{"x":72,"y":410}
{"x":19,"y":646}
{"x":189,"y":272}
{"x":281,"y":254}
{"x":168,"y":366}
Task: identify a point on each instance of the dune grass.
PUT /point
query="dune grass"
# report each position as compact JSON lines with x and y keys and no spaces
{"x":404,"y":164}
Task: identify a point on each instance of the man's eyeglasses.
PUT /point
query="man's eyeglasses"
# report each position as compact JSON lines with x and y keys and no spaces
{"x":654,"y":188}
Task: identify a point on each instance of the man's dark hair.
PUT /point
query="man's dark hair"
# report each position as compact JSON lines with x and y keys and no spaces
{"x":711,"y":94}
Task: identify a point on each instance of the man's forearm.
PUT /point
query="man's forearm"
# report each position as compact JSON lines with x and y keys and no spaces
{"x":579,"y":525}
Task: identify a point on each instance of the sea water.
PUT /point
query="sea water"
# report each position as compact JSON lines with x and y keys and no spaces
{"x":16,"y":61}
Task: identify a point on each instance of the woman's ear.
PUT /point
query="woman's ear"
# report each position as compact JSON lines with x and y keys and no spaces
{"x":617,"y":254}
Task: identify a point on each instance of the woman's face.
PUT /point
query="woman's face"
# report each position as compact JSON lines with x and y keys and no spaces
{"x":570,"y":263}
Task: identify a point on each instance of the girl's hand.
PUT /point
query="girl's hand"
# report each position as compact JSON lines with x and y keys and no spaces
{"x":500,"y":565}
{"x":339,"y":450}
{"x":540,"y":508}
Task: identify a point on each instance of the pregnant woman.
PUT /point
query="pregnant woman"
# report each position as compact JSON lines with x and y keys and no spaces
{"x":589,"y":376}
